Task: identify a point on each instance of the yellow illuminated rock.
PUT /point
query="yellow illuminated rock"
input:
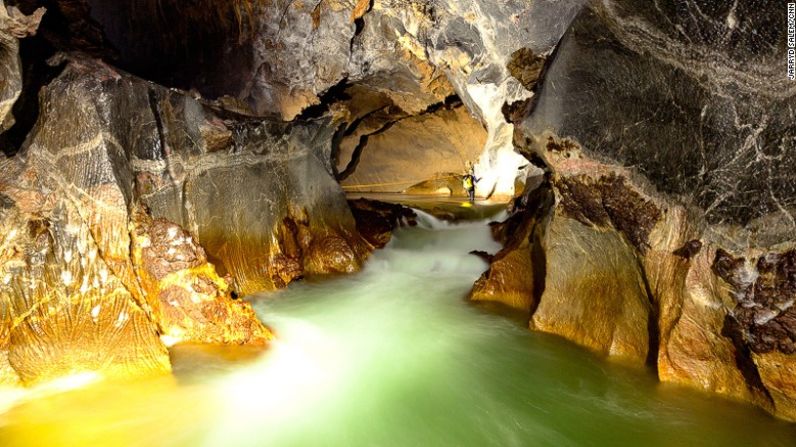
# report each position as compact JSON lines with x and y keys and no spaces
{"x":189,"y":301}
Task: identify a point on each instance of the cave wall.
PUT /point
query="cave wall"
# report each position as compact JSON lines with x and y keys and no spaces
{"x":400,"y":154}
{"x":134,"y":215}
{"x":299,"y":59}
{"x":662,"y":232}
{"x":666,"y":136}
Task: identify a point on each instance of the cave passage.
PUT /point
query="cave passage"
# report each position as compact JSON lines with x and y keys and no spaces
{"x":392,"y":356}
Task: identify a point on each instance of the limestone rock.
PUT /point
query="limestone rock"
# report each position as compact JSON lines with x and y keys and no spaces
{"x":189,"y":301}
{"x":64,"y":311}
{"x":346,"y":58}
{"x":776,"y":375}
{"x":91,"y":286}
{"x":411,"y":54}
{"x":376,"y":220}
{"x":762,"y":321}
{"x":695,"y":101}
{"x":445,"y":140}
{"x":669,"y":162}
{"x":594,"y":291}
{"x":182,"y":158}
{"x":693,"y":350}
{"x":511,"y":279}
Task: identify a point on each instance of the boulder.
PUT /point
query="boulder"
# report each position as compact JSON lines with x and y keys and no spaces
{"x":189,"y":301}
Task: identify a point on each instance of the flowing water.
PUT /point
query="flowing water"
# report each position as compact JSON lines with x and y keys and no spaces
{"x":394,"y":356}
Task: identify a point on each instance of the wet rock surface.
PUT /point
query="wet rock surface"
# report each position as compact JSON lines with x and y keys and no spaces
{"x":64,"y":311}
{"x":189,"y":301}
{"x":92,"y":284}
{"x":376,"y":220}
{"x":516,"y":272}
{"x":670,"y":238}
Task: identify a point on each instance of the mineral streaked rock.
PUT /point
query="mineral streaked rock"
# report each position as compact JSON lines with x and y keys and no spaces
{"x":705,"y":215}
{"x":697,"y":102}
{"x":692,"y":350}
{"x":618,"y":279}
{"x":594,"y":291}
{"x":64,"y":311}
{"x":91,"y":286}
{"x":182,"y":159}
{"x":189,"y":301}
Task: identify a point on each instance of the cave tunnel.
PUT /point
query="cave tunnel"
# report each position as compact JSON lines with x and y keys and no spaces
{"x":387,"y":222}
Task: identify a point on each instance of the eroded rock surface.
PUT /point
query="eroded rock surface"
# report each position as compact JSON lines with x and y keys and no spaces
{"x":93,"y":283}
{"x":376,"y":220}
{"x":64,"y":309}
{"x":189,"y":301}
{"x":396,"y":156}
{"x":670,"y":238}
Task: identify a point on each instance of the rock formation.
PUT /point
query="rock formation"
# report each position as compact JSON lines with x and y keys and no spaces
{"x":376,"y":220}
{"x":105,"y":208}
{"x":666,"y":135}
{"x":655,"y":141}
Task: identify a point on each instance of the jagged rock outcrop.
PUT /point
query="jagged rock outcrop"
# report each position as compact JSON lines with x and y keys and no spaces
{"x":669,"y":159}
{"x":188,"y":300}
{"x":93,"y":282}
{"x":511,"y":279}
{"x":64,"y":310}
{"x":357,"y":56}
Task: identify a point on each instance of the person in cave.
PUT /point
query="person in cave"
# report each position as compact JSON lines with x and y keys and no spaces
{"x":469,"y":180}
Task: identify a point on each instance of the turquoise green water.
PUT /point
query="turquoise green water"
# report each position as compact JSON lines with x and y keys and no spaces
{"x":393,"y":356}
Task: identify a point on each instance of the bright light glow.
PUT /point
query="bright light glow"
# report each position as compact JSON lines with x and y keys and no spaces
{"x":170,"y":340}
{"x":293,"y":377}
{"x":499,"y":164}
{"x":11,"y":396}
{"x":70,"y":382}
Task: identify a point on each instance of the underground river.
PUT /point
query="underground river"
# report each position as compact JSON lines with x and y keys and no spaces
{"x":391,"y":356}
